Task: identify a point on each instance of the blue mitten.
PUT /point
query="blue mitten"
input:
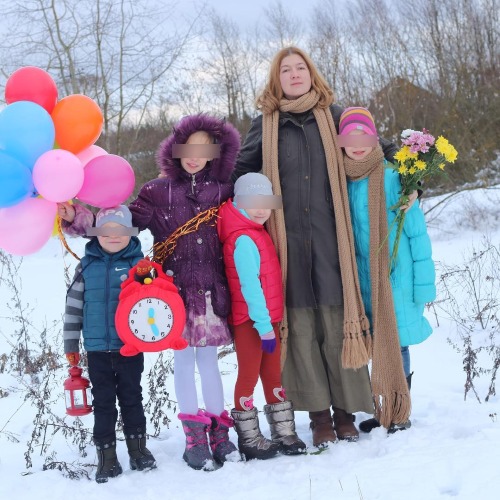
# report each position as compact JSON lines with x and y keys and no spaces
{"x":268,"y":342}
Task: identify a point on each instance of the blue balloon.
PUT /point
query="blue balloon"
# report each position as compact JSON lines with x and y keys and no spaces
{"x":16,"y":182}
{"x":26,"y":131}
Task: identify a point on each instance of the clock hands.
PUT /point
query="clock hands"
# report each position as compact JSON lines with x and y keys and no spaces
{"x":151,"y":321}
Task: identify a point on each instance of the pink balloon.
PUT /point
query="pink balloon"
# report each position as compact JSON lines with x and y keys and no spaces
{"x":109,"y":181}
{"x":58,"y":175}
{"x":27,"y":226}
{"x":90,"y":153}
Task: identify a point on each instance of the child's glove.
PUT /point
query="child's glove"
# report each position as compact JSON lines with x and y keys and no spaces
{"x":73,"y":358}
{"x":268,"y":342}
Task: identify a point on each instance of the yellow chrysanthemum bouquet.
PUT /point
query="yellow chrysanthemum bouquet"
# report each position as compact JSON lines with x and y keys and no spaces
{"x":420,"y":157}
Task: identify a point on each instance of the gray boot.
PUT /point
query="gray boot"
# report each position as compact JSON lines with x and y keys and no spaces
{"x":373,"y":423}
{"x":108,"y":465}
{"x":197,"y":454}
{"x":404,"y":425}
{"x":251,"y":442}
{"x":282,"y":424}
{"x":140,"y":457}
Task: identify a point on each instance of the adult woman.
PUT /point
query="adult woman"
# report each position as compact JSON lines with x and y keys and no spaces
{"x":295,"y":143}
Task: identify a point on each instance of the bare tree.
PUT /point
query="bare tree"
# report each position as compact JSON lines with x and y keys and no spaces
{"x":282,"y":28}
{"x":115,"y":51}
{"x":331,"y":50}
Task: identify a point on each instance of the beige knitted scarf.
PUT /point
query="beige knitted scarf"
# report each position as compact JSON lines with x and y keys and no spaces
{"x":357,"y":341}
{"x":389,"y":387}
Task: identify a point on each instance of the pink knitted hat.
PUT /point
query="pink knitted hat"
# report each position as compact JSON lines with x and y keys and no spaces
{"x":357,"y":118}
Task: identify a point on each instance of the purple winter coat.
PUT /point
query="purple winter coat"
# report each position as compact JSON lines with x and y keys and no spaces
{"x":167,"y":203}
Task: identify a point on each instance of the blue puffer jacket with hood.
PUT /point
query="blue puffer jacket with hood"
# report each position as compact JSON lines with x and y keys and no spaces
{"x":413,"y":274}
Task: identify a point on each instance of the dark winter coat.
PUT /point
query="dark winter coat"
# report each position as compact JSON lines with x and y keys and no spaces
{"x":313,"y":275}
{"x":167,"y":203}
{"x":92,"y":298}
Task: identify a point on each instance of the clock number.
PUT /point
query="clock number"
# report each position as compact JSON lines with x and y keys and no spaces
{"x":132,"y":321}
{"x":169,"y":316}
{"x":136,"y":331}
{"x":134,"y":311}
{"x":153,"y":338}
{"x":162,"y":334}
{"x":150,"y":301}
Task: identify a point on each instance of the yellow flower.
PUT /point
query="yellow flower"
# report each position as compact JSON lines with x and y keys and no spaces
{"x":451,"y":154}
{"x":402,"y":154}
{"x":412,"y":170}
{"x":442,"y":144}
{"x":403,"y":169}
{"x":446,"y":149}
{"x":420,"y":164}
{"x":441,"y":166}
{"x":412,"y":156}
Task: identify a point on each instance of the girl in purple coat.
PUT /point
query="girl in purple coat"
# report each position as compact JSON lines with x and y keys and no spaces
{"x":196,"y":162}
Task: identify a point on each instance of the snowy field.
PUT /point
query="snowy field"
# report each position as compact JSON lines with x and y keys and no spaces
{"x":451,"y":451}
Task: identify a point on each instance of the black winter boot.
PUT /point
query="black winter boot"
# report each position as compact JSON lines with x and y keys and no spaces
{"x":405,"y":425}
{"x":108,"y":465}
{"x":140,"y":457}
{"x":369,"y":425}
{"x":373,"y":423}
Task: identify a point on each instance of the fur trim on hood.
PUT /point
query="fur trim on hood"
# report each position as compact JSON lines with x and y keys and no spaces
{"x":224,"y":134}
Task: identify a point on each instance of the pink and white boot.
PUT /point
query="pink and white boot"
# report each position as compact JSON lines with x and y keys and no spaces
{"x":197,"y":453}
{"x":223,"y":450}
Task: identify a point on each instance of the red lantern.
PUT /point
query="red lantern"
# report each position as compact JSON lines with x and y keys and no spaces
{"x":77,"y":393}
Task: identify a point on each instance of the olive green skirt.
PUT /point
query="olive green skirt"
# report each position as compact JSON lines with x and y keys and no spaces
{"x":313,"y":376}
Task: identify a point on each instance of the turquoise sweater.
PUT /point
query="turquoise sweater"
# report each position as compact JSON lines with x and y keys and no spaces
{"x":413,"y":275}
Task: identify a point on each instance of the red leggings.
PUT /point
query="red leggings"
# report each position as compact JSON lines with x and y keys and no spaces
{"x":254,"y":362}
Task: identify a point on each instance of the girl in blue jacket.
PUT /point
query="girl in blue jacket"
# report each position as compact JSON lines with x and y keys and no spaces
{"x":374,"y":187}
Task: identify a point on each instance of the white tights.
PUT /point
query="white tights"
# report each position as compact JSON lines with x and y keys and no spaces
{"x":211,"y":382}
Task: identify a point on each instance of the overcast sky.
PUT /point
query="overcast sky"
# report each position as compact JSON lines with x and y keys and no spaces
{"x":248,"y":12}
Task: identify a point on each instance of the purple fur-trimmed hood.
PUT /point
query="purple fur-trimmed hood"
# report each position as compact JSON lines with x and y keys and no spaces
{"x":224,"y":134}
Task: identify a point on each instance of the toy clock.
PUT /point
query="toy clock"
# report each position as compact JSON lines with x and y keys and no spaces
{"x":150,"y":316}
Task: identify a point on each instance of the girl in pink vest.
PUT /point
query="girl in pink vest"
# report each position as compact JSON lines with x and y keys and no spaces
{"x":255,"y":285}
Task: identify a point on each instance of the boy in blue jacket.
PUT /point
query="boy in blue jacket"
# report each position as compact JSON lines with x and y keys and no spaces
{"x":374,"y":187}
{"x":91,"y":303}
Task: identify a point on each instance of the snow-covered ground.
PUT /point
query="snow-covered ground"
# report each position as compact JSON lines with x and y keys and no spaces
{"x":451,"y":450}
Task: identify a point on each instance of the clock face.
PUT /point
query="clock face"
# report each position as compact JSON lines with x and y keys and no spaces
{"x":150,"y":319}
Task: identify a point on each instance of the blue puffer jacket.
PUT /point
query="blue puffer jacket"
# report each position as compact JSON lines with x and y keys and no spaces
{"x":103,"y":274}
{"x":413,"y":275}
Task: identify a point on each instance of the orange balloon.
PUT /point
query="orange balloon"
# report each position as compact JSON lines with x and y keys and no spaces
{"x":77,"y":121}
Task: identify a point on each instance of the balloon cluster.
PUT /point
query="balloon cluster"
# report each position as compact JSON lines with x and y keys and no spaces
{"x":47,"y":156}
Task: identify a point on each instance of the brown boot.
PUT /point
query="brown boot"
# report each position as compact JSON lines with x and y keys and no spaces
{"x":322,"y":427}
{"x":344,"y":425}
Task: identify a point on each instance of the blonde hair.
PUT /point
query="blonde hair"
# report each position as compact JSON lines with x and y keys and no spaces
{"x":268,"y":101}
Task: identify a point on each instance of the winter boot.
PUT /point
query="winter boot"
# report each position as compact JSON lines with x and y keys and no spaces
{"x":108,"y":465}
{"x":343,"y":423}
{"x":322,"y":427}
{"x":369,"y":425}
{"x":251,"y":442}
{"x":140,"y":457}
{"x":222,"y":449}
{"x":197,"y":454}
{"x":282,"y":424}
{"x":373,"y":423}
{"x":404,"y":425}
